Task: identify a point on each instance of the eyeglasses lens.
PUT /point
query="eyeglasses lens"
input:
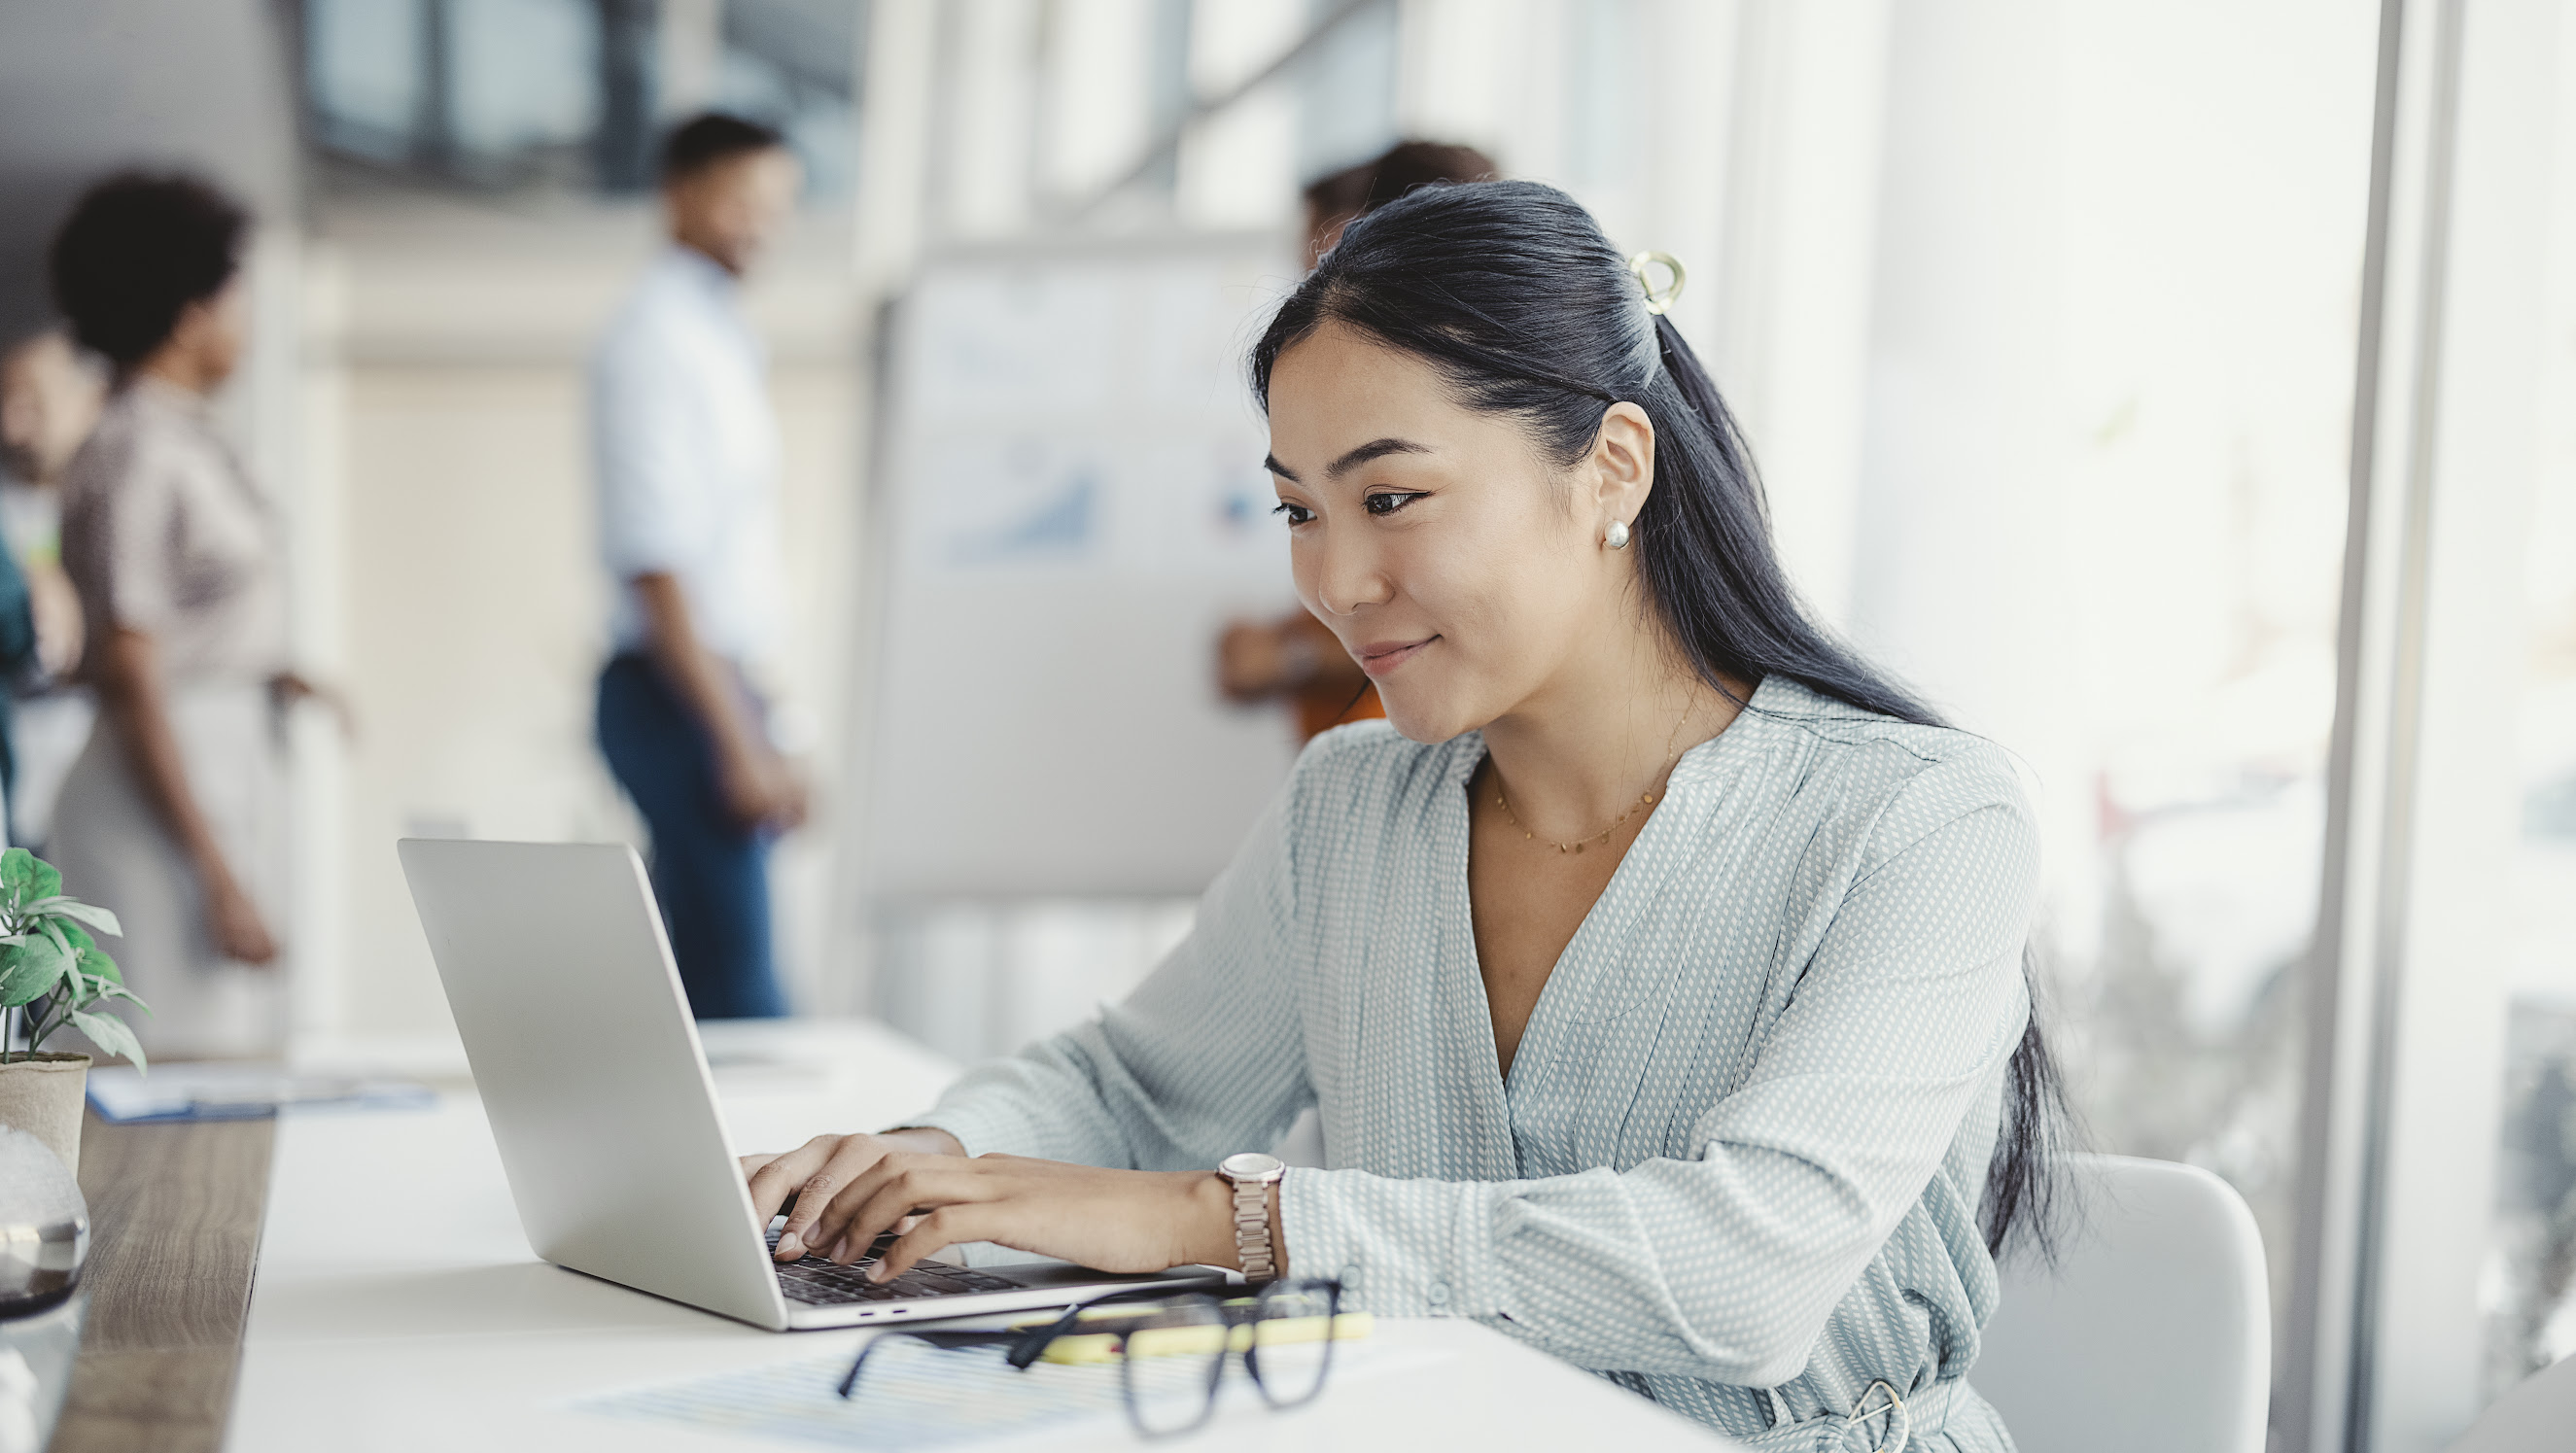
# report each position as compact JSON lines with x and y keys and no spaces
{"x":1291,"y":1341}
{"x":1171,"y":1366}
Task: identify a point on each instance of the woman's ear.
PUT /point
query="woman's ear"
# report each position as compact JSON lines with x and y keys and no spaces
{"x":1623,"y":462}
{"x":186,"y":323}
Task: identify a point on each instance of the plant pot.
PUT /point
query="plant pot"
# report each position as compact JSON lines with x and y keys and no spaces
{"x":42,"y":1094}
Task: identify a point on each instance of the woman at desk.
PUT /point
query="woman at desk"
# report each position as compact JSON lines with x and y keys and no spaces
{"x":1657,"y":969}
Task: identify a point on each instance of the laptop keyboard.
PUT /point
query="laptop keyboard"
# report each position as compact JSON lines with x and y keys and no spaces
{"x":816,"y":1281}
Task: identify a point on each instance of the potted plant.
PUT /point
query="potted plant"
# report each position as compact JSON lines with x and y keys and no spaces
{"x":52,"y":973}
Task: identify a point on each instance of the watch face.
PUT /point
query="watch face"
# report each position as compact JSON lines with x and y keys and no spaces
{"x":1251,"y":1165}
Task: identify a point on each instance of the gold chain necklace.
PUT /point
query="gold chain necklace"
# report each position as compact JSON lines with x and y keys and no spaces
{"x":1644,"y":799}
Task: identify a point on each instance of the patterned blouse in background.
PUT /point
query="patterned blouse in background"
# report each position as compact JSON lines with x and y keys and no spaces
{"x":164,"y":533}
{"x":1738,"y":1161}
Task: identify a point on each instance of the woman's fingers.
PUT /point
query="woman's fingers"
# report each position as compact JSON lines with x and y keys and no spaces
{"x":896,"y":1188}
{"x":814,"y":1223}
{"x":777,"y":1176}
{"x":950,"y":1225}
{"x":773,"y":1180}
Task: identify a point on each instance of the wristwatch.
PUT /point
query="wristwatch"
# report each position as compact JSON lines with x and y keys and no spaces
{"x":1252,"y":1174}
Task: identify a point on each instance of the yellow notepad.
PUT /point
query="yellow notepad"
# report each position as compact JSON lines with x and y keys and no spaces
{"x":1192,"y":1339}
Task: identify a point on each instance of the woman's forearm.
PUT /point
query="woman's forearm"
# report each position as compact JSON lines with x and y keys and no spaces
{"x":131,"y":694}
{"x":925,"y":1140}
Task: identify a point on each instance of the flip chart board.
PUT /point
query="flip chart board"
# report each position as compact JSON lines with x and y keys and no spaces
{"x":1070,"y":505}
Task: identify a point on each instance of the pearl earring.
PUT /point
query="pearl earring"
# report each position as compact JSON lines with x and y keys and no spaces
{"x":1616,"y":537}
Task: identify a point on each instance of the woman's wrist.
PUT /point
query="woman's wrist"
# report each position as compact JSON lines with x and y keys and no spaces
{"x":1211,"y":1241}
{"x":924,"y":1140}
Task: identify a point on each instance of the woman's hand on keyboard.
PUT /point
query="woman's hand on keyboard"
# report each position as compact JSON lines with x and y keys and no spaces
{"x":812,"y":1174}
{"x":1109,"y":1220}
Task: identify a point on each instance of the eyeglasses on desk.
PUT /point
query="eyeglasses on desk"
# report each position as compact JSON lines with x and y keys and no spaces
{"x":1172,"y":1350}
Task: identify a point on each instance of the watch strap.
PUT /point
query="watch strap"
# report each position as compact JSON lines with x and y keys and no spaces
{"x":1252,"y":1230}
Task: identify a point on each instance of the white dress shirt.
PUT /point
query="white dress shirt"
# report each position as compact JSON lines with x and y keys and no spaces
{"x":686,"y":452}
{"x":1737,"y":1163}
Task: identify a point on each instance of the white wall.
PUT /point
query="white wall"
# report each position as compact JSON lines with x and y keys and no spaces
{"x":88,"y":87}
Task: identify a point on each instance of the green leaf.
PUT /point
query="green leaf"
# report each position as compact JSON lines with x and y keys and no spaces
{"x":89,"y":913}
{"x":84,"y":986}
{"x":107,"y":992}
{"x":17,"y":871}
{"x":84,"y":913}
{"x":110,"y":1035}
{"x":94,"y":961}
{"x":29,"y":971}
{"x":44,"y":880}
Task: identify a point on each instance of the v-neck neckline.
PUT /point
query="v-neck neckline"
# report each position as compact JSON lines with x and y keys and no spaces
{"x":1692,"y":792}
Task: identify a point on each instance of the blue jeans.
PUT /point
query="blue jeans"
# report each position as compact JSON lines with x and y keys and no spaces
{"x":711,"y":874}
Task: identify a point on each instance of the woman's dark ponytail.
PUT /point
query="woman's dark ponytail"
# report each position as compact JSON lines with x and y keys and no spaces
{"x":1509,"y":291}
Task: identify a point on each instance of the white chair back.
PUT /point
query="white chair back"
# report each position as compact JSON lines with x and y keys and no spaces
{"x":2152,"y":1332}
{"x":2532,"y":1417}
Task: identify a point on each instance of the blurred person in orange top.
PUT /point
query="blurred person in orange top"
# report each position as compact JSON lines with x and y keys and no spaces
{"x":1295,"y":659}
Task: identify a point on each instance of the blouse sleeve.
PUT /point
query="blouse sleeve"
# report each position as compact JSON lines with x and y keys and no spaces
{"x":1204,"y":1059}
{"x":1727,"y":1266}
{"x":649,"y":438}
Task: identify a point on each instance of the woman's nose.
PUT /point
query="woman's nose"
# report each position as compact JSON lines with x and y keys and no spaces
{"x":1348,"y":577}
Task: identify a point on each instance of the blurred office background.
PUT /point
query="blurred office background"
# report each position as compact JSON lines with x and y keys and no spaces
{"x":2184,"y":395}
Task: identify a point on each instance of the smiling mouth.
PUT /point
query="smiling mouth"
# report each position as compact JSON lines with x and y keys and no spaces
{"x":1379,"y":659}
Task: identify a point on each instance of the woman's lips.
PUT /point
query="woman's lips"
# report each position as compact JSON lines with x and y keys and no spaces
{"x":1377,"y":658}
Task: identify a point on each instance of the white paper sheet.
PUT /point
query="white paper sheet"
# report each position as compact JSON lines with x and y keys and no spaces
{"x":916,"y":1396}
{"x":220,"y":1091}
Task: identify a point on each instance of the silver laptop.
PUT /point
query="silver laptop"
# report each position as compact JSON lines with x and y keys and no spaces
{"x":589,"y":1066}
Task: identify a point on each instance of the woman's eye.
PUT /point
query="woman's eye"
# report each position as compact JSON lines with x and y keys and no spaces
{"x":1296,"y":514}
{"x":1387,"y":504}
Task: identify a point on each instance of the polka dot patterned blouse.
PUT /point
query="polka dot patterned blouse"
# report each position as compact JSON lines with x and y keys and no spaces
{"x":1737,"y":1164}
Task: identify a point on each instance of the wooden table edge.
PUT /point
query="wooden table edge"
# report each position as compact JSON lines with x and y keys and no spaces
{"x":175,"y":1212}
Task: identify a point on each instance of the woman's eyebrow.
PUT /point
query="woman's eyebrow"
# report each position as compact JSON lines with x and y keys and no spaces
{"x":1373,"y":449}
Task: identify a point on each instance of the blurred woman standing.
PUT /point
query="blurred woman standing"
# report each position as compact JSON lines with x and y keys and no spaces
{"x":172,"y":815}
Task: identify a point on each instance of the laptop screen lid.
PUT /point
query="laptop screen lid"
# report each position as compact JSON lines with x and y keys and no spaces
{"x":590,"y":1069}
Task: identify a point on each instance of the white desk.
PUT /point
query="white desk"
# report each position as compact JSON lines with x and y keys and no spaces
{"x":397,"y":1306}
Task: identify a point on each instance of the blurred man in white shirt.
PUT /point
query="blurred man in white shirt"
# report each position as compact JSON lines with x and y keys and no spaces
{"x":686,"y":454}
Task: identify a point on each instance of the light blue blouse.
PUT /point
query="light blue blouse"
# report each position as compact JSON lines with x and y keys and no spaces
{"x":1738,"y":1161}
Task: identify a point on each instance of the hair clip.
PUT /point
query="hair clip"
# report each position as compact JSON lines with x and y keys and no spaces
{"x":1658,"y":300}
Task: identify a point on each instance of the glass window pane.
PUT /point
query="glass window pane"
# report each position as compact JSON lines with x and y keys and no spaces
{"x":2530,"y":1267}
{"x":2214,"y":239}
{"x":363,"y":74}
{"x":574,"y":94}
{"x":1346,"y":87}
{"x":526,"y":74}
{"x":2101,"y":515}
